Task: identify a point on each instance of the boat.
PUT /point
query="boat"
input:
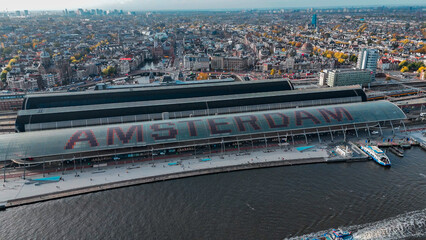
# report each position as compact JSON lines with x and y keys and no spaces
{"x":423,"y":146}
{"x":377,"y":155}
{"x":335,"y":234}
{"x":405,"y":145}
{"x":397,"y":151}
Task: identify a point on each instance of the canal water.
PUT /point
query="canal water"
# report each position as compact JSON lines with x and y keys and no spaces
{"x":273,"y":203}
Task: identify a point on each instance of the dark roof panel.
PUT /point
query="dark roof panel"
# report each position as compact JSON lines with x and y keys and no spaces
{"x":182,"y":104}
{"x":154,"y":93}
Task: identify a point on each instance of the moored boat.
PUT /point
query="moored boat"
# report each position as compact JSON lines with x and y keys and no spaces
{"x":405,"y":145}
{"x":377,"y":155}
{"x":335,"y":234}
{"x":397,"y":151}
{"x":423,"y":146}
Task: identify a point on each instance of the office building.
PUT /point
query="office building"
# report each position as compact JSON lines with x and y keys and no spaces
{"x":367,"y":59}
{"x":346,"y":77}
{"x":314,"y":21}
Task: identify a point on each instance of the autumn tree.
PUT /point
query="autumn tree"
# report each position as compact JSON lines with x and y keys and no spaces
{"x":109,"y":71}
{"x":404,"y":69}
{"x":202,"y":76}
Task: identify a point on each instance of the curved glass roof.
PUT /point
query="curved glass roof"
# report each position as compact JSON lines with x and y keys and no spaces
{"x":75,"y":140}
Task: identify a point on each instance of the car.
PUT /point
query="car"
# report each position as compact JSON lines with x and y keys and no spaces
{"x":374,"y":132}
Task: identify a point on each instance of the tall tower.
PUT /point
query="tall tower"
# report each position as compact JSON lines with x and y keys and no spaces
{"x":367,"y":59}
{"x":314,"y":20}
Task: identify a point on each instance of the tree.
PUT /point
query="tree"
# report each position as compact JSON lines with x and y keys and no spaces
{"x":3,"y":76}
{"x":421,"y":50}
{"x":403,"y":64}
{"x":109,"y":71}
{"x":404,"y":69}
{"x":421,"y":69}
{"x":202,"y":76}
{"x":415,"y":66}
{"x":338,"y":55}
{"x":388,"y":78}
{"x":353,"y":58}
{"x":12,"y":61}
{"x":272,"y":72}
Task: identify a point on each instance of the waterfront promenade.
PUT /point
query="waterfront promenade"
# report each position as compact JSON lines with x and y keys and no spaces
{"x":16,"y":192}
{"x":80,"y":180}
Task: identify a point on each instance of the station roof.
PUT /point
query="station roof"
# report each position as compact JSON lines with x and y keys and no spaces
{"x":152,"y":93}
{"x":186,"y":104}
{"x":97,"y":138}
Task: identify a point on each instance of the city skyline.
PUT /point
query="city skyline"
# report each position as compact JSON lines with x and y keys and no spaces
{"x":140,"y":5}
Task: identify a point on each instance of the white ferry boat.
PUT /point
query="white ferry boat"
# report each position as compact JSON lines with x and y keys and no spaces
{"x":377,"y":154}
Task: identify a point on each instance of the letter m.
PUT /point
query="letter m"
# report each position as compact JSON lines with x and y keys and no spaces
{"x":124,"y":137}
{"x":338,"y":114}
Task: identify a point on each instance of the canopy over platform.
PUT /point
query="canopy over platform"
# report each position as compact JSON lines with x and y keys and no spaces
{"x":89,"y":140}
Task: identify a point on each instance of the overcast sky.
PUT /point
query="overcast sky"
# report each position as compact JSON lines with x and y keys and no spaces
{"x":136,"y":5}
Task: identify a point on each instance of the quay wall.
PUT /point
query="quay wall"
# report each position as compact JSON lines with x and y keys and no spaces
{"x":165,"y":177}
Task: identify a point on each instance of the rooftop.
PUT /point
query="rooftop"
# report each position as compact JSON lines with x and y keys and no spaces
{"x":80,"y":141}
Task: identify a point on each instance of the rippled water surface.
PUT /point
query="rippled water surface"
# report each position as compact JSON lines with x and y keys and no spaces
{"x":273,"y":203}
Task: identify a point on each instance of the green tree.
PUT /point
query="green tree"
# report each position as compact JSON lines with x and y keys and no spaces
{"x":109,"y":71}
{"x":353,"y":58}
{"x":3,"y":76}
{"x":415,"y":66}
{"x":403,"y":64}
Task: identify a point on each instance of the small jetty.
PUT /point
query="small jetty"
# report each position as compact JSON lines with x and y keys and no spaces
{"x":423,"y":146}
{"x":397,"y":151}
{"x":344,"y":151}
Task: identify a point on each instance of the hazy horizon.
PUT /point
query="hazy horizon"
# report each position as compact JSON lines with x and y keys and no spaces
{"x":149,"y":5}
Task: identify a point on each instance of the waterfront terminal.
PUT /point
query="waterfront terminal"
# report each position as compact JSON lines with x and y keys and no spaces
{"x":95,"y":142}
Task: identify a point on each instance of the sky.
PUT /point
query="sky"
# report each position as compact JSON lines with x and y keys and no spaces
{"x":140,"y":5}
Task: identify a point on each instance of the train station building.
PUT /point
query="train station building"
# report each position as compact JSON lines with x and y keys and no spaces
{"x":197,"y":135}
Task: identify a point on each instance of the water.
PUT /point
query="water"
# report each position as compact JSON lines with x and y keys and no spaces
{"x":274,"y":203}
